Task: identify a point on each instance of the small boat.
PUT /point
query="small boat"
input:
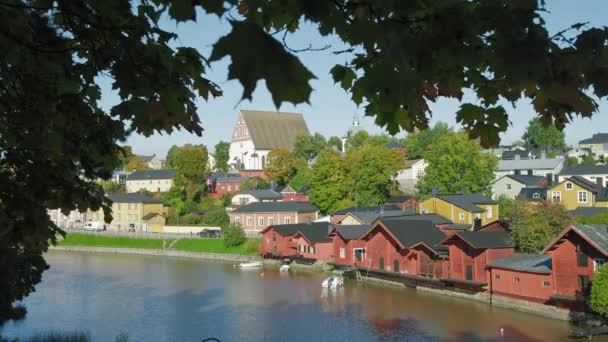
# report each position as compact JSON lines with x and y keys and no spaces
{"x":284,"y":268}
{"x":333,"y":282}
{"x":250,"y":264}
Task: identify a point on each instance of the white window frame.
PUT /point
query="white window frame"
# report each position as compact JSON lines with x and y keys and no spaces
{"x":270,"y":220}
{"x":559,"y":194}
{"x":312,"y":250}
{"x":461,"y":216}
{"x":489,"y":212}
{"x":569,"y":186}
{"x":508,"y":186}
{"x":342,"y":252}
{"x":425,"y":211}
{"x":261,"y":221}
{"x":287,"y":220}
{"x":536,"y":195}
{"x":546,"y":283}
{"x":362,"y":253}
{"x":597,"y":263}
{"x":248,"y":221}
{"x":237,"y":220}
{"x":578,"y":196}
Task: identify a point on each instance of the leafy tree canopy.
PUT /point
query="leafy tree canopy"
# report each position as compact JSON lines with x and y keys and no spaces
{"x":601,"y":218}
{"x":418,"y":143}
{"x":280,"y":166}
{"x":221,"y":155}
{"x":329,"y":181}
{"x":454,"y":163}
{"x":191,"y":168}
{"x":598,"y":301}
{"x":136,"y":164}
{"x":255,"y":183}
{"x":308,"y":146}
{"x":506,"y":206}
{"x":335,"y":143}
{"x":535,"y":225}
{"x":301,"y":178}
{"x":170,"y":158}
{"x":538,"y":135}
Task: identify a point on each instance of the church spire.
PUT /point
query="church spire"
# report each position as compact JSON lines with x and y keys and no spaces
{"x":355,"y":120}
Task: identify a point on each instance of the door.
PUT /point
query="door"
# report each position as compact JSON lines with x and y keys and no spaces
{"x":396,"y":266}
{"x":381,"y":263}
{"x":469,"y":272}
{"x":275,"y":251}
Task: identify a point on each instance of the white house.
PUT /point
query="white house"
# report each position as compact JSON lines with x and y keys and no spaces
{"x":153,"y":161}
{"x":511,"y":185}
{"x":256,"y":133}
{"x":545,"y":167}
{"x":150,"y":180}
{"x":590,"y":173}
{"x":598,"y":144}
{"x":411,"y":174}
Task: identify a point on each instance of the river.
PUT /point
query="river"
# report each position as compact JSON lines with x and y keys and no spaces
{"x":169,"y":299}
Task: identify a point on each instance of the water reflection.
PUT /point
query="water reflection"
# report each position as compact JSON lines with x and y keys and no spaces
{"x":159,"y":299}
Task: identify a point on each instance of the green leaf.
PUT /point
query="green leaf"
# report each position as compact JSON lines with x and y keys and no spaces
{"x":182,"y":10}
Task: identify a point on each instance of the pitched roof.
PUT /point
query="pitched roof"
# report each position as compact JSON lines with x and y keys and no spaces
{"x":151,"y":175}
{"x":458,"y":226}
{"x":227,"y":177}
{"x":481,"y":239}
{"x":366,"y":209}
{"x":588,"y":211}
{"x":316,"y":231}
{"x":533,"y":263}
{"x":601,"y":192}
{"x":399,"y":199}
{"x":149,"y":216}
{"x":410,"y":232}
{"x":468,"y":202}
{"x":584,"y":170}
{"x":133,"y":198}
{"x":273,"y":130}
{"x":598,"y":138}
{"x":262,"y":194}
{"x":146,"y":159}
{"x":525,"y":164}
{"x":598,"y":234}
{"x":350,"y":232}
{"x":273,"y":207}
{"x":509,"y":155}
{"x":410,"y":162}
{"x":528,"y":193}
{"x":433,"y":218}
{"x":527,"y":179}
{"x":368,"y":217}
{"x":291,"y":229}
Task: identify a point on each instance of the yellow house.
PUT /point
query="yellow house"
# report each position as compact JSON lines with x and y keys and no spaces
{"x":462,"y":208}
{"x":135,"y":212}
{"x":576,"y":192}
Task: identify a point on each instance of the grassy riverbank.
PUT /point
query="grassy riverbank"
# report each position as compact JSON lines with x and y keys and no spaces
{"x":250,"y":247}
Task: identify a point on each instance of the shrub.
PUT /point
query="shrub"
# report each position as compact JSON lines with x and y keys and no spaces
{"x":598,"y":300}
{"x":233,"y":235}
{"x":252,"y":245}
{"x":54,"y":336}
{"x":216,"y":217}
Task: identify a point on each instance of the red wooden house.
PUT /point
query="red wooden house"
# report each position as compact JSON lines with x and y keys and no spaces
{"x":576,"y":253}
{"x":496,"y":226}
{"x":409,"y":204}
{"x":404,"y":246}
{"x":523,"y":276}
{"x":313,"y":242}
{"x":348,"y":247}
{"x":277,"y":240}
{"x":470,"y":253}
{"x":289,"y":194}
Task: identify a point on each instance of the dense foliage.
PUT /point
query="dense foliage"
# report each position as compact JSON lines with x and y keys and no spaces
{"x":455,"y":163}
{"x":535,"y":225}
{"x":506,"y":206}
{"x":545,"y":137}
{"x":191,"y":168}
{"x":280,"y":166}
{"x":221,"y":155}
{"x":601,"y":218}
{"x":233,"y":235}
{"x":308,"y":147}
{"x":598,"y":300}
{"x":418,"y":143}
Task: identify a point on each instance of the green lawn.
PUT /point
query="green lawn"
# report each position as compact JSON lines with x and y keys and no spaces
{"x":75,"y":239}
{"x":250,"y":247}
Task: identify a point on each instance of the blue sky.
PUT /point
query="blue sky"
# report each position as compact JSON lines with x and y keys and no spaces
{"x":330,"y":110}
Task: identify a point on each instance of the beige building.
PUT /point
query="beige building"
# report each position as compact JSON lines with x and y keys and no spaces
{"x":150,"y":180}
{"x":462,"y":208}
{"x":576,"y":192}
{"x":258,"y":215}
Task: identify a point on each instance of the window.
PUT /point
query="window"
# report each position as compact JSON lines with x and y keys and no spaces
{"x":546,"y":283}
{"x":237,"y":220}
{"x":260,"y":221}
{"x":568,"y":186}
{"x":469,"y":251}
{"x":516,"y":280}
{"x":583,"y":282}
{"x":425,"y":211}
{"x":229,"y":188}
{"x":129,"y":206}
{"x":536,"y":195}
{"x":582,"y":197}
{"x":581,"y":259}
{"x":489,"y":212}
{"x":312,"y":250}
{"x":244,"y":200}
{"x":118,"y":206}
{"x":286,"y":220}
{"x":308,"y":249}
{"x":248,"y":221}
{"x":461,"y":216}
{"x":508,"y":186}
{"x":396,"y":265}
{"x":597,"y":263}
{"x":274,"y":237}
{"x":342,"y":253}
{"x":270,"y":221}
{"x":556,"y":196}
{"x":497,"y":276}
{"x":358,"y":253}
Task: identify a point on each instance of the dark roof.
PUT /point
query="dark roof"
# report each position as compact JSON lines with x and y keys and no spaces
{"x":534,"y":263}
{"x":262,"y":194}
{"x":354,"y":210}
{"x":528,"y":193}
{"x":146,"y":159}
{"x":526,"y":179}
{"x":149,"y":216}
{"x":588,"y":211}
{"x":352,"y":231}
{"x":598,"y":138}
{"x":601,"y":192}
{"x":434,"y":218}
{"x":133,"y":198}
{"x":290,"y":229}
{"x":272,"y":207}
{"x":151,"y":174}
{"x":597,"y":233}
{"x":368,"y":217}
{"x":227,"y":177}
{"x":584,"y":170}
{"x":510,"y":155}
{"x":458,"y":226}
{"x":410,"y":233}
{"x":399,"y":199}
{"x":483,"y":239}
{"x":468,"y":202}
{"x":316,"y":232}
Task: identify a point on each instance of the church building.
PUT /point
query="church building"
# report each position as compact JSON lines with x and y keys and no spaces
{"x":258,"y":132}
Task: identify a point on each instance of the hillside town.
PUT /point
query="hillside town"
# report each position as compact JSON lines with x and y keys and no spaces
{"x":280,"y":184}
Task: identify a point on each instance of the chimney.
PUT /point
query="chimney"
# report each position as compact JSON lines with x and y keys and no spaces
{"x":556,"y":179}
{"x":549,"y":177}
{"x":308,"y":220}
{"x":477,"y":223}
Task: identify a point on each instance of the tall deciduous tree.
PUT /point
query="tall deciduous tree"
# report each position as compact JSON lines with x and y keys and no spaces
{"x":136,"y":164}
{"x":170,"y":158}
{"x":598,"y":301}
{"x":454,"y":163}
{"x":191,"y":168}
{"x":371,"y":171}
{"x":329,"y":181}
{"x":538,"y":135}
{"x":335,"y":143}
{"x":308,"y":146}
{"x":418,"y":143}
{"x":280,"y":166}
{"x":535,"y":225}
{"x":357,"y":140}
{"x":221,"y":155}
